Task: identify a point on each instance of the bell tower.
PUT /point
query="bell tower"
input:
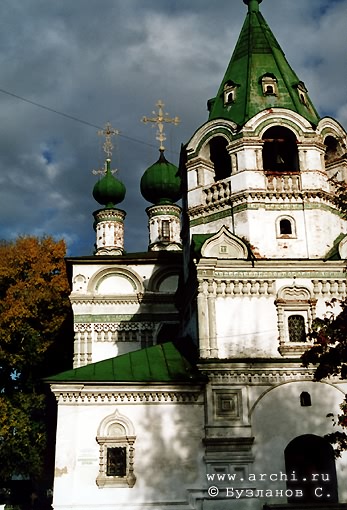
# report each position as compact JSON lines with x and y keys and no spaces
{"x":261,"y":164}
{"x":260,"y":223}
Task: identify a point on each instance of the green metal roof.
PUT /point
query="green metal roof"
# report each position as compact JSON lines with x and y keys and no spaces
{"x":109,"y":191}
{"x":160,"y":363}
{"x":161,"y":184}
{"x":258,"y":54}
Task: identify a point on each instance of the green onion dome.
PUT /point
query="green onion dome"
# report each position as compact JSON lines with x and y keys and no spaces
{"x":109,"y":191}
{"x":161,"y":184}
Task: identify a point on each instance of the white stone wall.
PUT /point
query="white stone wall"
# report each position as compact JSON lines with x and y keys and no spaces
{"x":243,"y":308}
{"x":168,"y":449}
{"x":106,"y":301}
{"x":316,"y":231}
{"x":277,"y":418}
{"x":263,"y":416}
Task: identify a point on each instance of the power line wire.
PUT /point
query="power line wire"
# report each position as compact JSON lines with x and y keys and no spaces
{"x":76,"y":119}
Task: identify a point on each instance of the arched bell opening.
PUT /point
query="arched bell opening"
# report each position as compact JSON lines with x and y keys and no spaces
{"x":220,"y":158}
{"x":280,"y":151}
{"x":332,"y":150}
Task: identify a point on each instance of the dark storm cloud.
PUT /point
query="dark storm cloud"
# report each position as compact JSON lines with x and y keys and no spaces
{"x":111,"y":61}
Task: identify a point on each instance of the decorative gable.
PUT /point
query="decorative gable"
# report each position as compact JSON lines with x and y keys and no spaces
{"x":224,"y":245}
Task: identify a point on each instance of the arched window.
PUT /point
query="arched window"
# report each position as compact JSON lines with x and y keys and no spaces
{"x":280,"y":151}
{"x":220,"y":158}
{"x":230,"y":97}
{"x":285,"y":227}
{"x":296,"y":328}
{"x":310,"y":468}
{"x":296,"y":309}
{"x":305,"y":399}
{"x":116,"y":440}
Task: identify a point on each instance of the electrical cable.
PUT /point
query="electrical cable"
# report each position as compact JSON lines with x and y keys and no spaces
{"x":76,"y":119}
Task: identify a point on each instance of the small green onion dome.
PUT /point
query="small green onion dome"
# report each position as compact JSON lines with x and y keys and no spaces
{"x":161,"y":184}
{"x":109,"y":191}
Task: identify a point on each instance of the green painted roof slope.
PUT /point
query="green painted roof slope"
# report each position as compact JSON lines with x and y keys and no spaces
{"x":160,"y":363}
{"x":257,"y":53}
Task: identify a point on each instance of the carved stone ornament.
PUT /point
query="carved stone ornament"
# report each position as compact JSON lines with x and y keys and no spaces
{"x":116,"y":433}
{"x":224,"y":245}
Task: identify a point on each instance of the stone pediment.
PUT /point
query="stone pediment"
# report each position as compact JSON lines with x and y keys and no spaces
{"x":224,"y":245}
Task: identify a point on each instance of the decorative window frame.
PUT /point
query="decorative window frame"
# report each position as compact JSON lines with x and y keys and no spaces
{"x":294,"y":300}
{"x":269,"y":80}
{"x":302,"y":92}
{"x":116,"y":431}
{"x":293,"y":235}
{"x":230,"y":92}
{"x":165,"y":230}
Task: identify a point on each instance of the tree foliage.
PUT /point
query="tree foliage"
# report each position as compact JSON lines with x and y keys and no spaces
{"x":329,"y":353}
{"x":34,"y":308}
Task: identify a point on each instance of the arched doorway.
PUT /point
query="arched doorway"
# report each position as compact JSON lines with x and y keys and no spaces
{"x":310,"y":468}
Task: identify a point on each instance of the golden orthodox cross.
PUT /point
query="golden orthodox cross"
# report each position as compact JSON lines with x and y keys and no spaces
{"x":159,"y":120}
{"x":107,"y":132}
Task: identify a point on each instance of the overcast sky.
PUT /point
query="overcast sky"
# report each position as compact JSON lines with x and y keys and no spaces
{"x":110,"y":61}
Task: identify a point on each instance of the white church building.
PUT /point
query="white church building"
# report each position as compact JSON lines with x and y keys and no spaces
{"x":187,"y":389}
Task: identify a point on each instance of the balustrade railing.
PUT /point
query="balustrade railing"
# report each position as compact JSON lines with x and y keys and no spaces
{"x":283,"y":182}
{"x":219,"y":193}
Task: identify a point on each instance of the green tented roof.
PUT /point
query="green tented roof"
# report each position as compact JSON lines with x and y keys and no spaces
{"x":160,"y":363}
{"x":257,"y":53}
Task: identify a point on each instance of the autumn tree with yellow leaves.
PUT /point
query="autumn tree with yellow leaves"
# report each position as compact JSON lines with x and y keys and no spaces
{"x":34,"y":334}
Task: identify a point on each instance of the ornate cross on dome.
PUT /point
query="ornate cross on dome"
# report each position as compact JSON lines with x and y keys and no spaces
{"x":103,"y":171}
{"x":108,"y":132}
{"x":159,"y":120}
